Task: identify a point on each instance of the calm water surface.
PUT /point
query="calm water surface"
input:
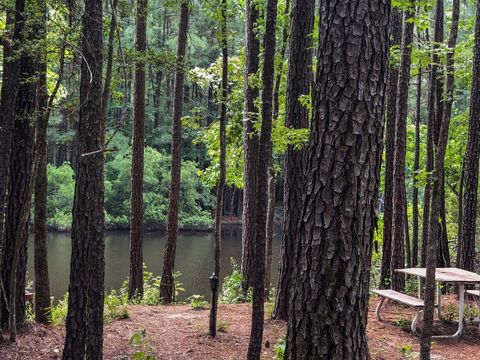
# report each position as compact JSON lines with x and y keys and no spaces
{"x":194,"y":258}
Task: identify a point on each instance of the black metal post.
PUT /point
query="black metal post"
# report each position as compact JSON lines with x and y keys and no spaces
{"x":213,"y":308}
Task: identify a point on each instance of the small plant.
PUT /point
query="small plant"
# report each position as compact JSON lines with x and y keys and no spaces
{"x":269,"y":308}
{"x":29,"y":312}
{"x":222,"y":327}
{"x":411,"y":285}
{"x":407,"y":351}
{"x":140,"y":341}
{"x":58,"y":313}
{"x":280,"y":349}
{"x":232,"y":285}
{"x":403,"y":322}
{"x":116,"y":306}
{"x":449,"y":312}
{"x":198,"y":302}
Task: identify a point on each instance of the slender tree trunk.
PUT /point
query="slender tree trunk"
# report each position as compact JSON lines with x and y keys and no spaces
{"x":395,"y":30}
{"x":328,"y":316}
{"x":167,"y":287}
{"x":416,"y":169}
{"x":399,"y":197}
{"x":433,"y":122}
{"x":460,"y":214}
{"x":270,"y":224}
{"x":299,"y":79}
{"x":472,"y":155}
{"x":109,"y":68}
{"x":135,"y":279}
{"x":87,"y":265}
{"x":217,"y":232}
{"x":437,"y":176}
{"x":250,"y":144}
{"x":261,"y":193}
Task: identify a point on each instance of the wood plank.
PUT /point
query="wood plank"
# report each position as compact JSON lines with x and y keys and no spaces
{"x":474,"y":292}
{"x":400,"y":297}
{"x":448,"y":275}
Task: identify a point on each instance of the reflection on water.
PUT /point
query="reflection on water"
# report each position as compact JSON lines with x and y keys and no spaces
{"x":194,"y":258}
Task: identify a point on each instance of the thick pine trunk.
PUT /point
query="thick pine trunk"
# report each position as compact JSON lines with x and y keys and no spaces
{"x":472,"y":154}
{"x":250,"y":144}
{"x":399,"y":197}
{"x":84,"y":327}
{"x":328,"y":316}
{"x":167,"y":286}
{"x":10,"y":83}
{"x":299,"y":79}
{"x":395,"y":31}
{"x":135,"y":279}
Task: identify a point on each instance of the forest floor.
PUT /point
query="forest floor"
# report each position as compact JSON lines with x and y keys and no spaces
{"x":179,"y":332}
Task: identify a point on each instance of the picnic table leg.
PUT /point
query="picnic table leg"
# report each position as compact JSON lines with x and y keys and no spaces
{"x":415,"y":321}
{"x":439,"y":301}
{"x":419,"y":287}
{"x":379,"y":307}
{"x":461,"y":305}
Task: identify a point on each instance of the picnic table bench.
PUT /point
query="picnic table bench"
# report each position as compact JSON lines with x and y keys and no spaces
{"x":455,"y":276}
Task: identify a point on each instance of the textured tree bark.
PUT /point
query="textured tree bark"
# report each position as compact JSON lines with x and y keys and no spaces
{"x":217,"y":232}
{"x":399,"y":197}
{"x":328,"y":315}
{"x":84,"y":324}
{"x":250,"y":144}
{"x":472,"y":155}
{"x":167,"y":286}
{"x":135,"y":279}
{"x":11,"y":70}
{"x":269,"y":225}
{"x":437,"y":176}
{"x":299,"y":79}
{"x":395,"y":31}
{"x":22,"y":166}
{"x":433,"y":121}
{"x":109,"y":67}
{"x":261,"y":191}
{"x":416,"y":168}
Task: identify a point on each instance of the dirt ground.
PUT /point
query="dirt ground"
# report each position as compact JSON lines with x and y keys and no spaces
{"x":179,"y":332}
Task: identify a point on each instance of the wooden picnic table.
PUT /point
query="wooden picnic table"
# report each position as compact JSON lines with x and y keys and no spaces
{"x":455,"y":276}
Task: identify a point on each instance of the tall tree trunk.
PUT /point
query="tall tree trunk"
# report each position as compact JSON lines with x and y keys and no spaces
{"x":416,"y":168}
{"x":395,"y":31}
{"x":460,"y":214}
{"x":109,"y":67}
{"x":22,"y":166}
{"x":399,"y":197}
{"x":437,"y":176}
{"x":271,"y":165}
{"x":167,"y":287}
{"x":472,"y":155}
{"x":217,"y":232}
{"x":135,"y":279}
{"x":261,"y":191}
{"x":87,"y":264}
{"x":299,"y":79}
{"x":433,"y":122}
{"x":328,"y":316}
{"x":10,"y":75}
{"x":250,"y":143}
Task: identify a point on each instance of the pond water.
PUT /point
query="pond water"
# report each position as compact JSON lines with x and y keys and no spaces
{"x":194,"y":258}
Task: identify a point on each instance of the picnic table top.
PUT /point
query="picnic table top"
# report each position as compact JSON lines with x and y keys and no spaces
{"x":448,"y":275}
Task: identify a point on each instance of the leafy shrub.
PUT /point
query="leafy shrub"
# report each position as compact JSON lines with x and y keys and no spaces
{"x":280,"y":349}
{"x":403,"y":322}
{"x":144,"y":349}
{"x":198,"y":302}
{"x":232,"y":285}
{"x":116,"y":307}
{"x":58,"y":313}
{"x":196,"y":200}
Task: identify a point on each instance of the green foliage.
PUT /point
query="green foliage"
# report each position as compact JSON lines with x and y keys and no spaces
{"x":222,"y":326}
{"x":116,"y":306}
{"x":141,"y":343}
{"x":232,"y":285}
{"x":197,"y":302}
{"x":280,"y":349}
{"x":58,"y":312}
{"x":403,"y":322}
{"x":195,"y":199}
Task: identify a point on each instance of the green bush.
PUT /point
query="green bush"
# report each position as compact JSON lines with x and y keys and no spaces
{"x":197,"y":302}
{"x":280,"y":349}
{"x":232,"y":286}
{"x":196,"y":200}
